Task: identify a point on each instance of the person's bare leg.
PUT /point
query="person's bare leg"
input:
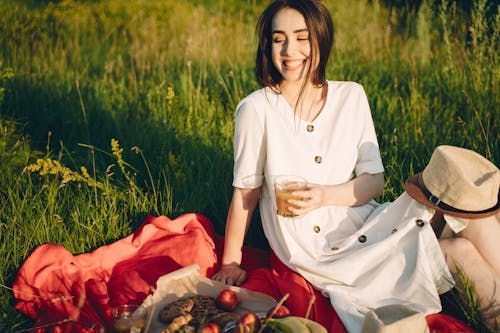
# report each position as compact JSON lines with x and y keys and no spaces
{"x":462,"y":255}
{"x":484,"y":234}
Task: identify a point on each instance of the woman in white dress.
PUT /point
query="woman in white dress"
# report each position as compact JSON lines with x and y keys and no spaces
{"x":360,"y":254}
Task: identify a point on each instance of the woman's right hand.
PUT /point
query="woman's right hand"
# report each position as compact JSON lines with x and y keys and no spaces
{"x":232,"y":275}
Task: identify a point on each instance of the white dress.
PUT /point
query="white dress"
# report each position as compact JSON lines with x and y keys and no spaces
{"x":361,"y":257}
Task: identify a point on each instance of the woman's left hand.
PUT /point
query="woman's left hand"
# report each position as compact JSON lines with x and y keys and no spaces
{"x":231,"y":275}
{"x":312,"y":198}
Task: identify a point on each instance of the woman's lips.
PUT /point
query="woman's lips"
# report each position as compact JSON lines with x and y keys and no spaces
{"x":292,"y":65}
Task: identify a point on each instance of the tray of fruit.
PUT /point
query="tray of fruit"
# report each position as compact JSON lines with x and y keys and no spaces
{"x":186,"y":301}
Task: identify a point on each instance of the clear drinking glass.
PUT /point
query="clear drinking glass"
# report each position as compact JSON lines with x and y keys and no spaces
{"x":127,"y":318}
{"x":283,"y":187}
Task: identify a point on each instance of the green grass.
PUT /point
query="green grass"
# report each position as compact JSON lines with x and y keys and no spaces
{"x":163,"y":79}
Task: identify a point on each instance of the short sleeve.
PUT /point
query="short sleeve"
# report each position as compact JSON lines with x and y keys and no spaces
{"x":455,"y":223}
{"x":369,"y":160}
{"x":249,"y":146}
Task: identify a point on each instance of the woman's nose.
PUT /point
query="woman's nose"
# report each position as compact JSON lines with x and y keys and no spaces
{"x":289,"y":47}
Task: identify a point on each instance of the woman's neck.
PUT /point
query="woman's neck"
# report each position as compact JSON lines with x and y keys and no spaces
{"x":308,"y":104}
{"x":292,"y":90}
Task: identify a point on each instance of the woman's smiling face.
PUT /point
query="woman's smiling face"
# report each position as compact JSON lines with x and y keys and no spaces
{"x":291,"y":48}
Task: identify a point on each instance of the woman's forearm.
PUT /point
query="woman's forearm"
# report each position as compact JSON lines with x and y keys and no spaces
{"x":355,"y":192}
{"x":239,"y":216}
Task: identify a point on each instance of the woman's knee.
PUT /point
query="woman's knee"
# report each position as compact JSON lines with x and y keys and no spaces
{"x":459,"y":251}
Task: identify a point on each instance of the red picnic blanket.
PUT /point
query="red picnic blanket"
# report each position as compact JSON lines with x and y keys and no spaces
{"x":67,"y":293}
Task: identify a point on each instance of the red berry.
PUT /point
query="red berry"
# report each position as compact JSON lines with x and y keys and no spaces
{"x":280,"y":312}
{"x":227,"y":300}
{"x":209,"y":328}
{"x":251,"y":320}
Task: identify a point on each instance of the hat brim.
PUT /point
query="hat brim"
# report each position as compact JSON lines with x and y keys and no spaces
{"x":414,"y":189}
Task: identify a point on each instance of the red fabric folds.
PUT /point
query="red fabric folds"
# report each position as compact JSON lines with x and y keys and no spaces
{"x":67,"y":293}
{"x":280,"y":280}
{"x":443,"y":323}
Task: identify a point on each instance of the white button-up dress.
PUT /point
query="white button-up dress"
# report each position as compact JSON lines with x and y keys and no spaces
{"x":361,"y":257}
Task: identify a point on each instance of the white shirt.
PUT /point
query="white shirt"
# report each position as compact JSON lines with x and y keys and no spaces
{"x":348,"y":252}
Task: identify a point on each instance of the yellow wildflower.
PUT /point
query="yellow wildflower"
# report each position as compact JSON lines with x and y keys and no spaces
{"x":170,"y":94}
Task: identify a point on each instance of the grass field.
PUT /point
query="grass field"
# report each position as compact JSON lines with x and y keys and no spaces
{"x":122,"y":108}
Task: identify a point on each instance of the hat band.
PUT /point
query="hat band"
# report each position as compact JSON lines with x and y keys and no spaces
{"x":436,"y":201}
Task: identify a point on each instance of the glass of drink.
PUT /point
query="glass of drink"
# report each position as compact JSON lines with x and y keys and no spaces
{"x":128,"y":319}
{"x":283,"y":187}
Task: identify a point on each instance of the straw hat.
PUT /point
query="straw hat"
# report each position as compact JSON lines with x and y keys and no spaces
{"x":458,"y":182}
{"x":395,"y":318}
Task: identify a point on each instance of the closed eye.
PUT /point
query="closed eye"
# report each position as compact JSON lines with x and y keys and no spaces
{"x":303,"y":36}
{"x":278,"y":37}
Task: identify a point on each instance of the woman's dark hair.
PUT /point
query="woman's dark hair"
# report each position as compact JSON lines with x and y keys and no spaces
{"x":320,"y":26}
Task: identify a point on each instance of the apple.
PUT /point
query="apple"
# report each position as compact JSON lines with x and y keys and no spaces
{"x":279,"y":312}
{"x":227,"y":300}
{"x":209,"y":328}
{"x":251,"y":320}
